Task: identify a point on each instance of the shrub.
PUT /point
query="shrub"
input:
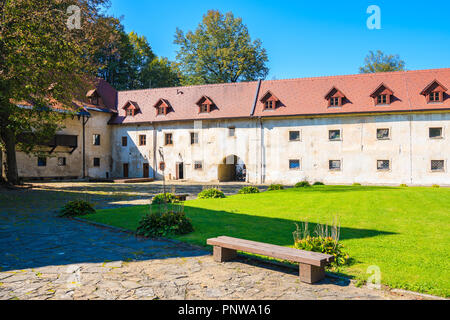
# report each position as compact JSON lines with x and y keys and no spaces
{"x":403,"y":185}
{"x":275,"y":187}
{"x":303,"y":184}
{"x":325,"y":245}
{"x":165,"y":223}
{"x":248,"y":190}
{"x":77,"y":208}
{"x":326,"y":240}
{"x":211,"y":194}
{"x":159,"y":198}
{"x":356,"y":184}
{"x":318,"y":183}
{"x":436,"y":186}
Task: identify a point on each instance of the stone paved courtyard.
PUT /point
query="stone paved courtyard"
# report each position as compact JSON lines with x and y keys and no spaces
{"x":46,"y":257}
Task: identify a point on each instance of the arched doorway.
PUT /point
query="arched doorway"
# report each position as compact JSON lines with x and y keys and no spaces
{"x":232,"y":169}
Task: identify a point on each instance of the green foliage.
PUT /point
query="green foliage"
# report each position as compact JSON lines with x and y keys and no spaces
{"x":318,"y":183}
{"x":436,"y":186}
{"x":248,"y":190}
{"x":77,"y":208}
{"x":303,"y":184}
{"x":163,"y":224}
{"x":379,"y":62}
{"x":220,"y":51}
{"x":327,"y":246}
{"x":356,"y":184}
{"x":159,"y":198}
{"x":275,"y":187}
{"x":211,"y":194}
{"x":403,"y":185}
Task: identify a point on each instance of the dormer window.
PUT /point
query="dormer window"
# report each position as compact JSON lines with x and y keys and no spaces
{"x":382,"y":99}
{"x":204,"y":108}
{"x":93,"y":97}
{"x":205,"y":105}
{"x":131,"y":108}
{"x":162,"y":107}
{"x":269,"y":105}
{"x":434,"y":92}
{"x":270,"y":101}
{"x":382,"y":95}
{"x":335,"y":98}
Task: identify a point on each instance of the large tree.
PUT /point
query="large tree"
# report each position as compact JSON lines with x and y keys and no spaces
{"x":220,"y":51}
{"x":380,"y":62}
{"x":44,"y":61}
{"x":128,"y":62}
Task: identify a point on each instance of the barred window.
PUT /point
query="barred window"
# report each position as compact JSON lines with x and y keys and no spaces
{"x":437,"y":165}
{"x":198,"y":165}
{"x":383,"y":134}
{"x":383,"y":165}
{"x":96,"y":162}
{"x":335,"y":165}
{"x":231,"y":131}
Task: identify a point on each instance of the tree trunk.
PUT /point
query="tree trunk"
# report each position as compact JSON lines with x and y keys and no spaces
{"x":10,"y":163}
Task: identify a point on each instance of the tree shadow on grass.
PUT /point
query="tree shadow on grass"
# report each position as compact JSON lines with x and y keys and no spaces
{"x":278,"y":231}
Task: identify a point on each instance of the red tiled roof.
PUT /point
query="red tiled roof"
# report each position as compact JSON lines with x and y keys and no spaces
{"x":298,"y":96}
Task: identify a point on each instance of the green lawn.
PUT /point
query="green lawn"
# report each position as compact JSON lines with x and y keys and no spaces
{"x":404,"y":231}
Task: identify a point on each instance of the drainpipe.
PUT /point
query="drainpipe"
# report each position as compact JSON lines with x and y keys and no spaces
{"x":84,"y":122}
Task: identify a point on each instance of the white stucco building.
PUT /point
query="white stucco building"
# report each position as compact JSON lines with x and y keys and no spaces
{"x":381,"y":129}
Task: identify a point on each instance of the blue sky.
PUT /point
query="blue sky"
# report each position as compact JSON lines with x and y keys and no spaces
{"x":307,"y":38}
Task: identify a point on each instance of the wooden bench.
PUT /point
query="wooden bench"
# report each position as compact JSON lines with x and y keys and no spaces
{"x":312,"y":264}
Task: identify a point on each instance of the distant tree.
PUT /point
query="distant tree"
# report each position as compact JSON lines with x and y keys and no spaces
{"x":44,"y":63}
{"x":379,"y":62}
{"x":220,"y":51}
{"x":128,"y":62}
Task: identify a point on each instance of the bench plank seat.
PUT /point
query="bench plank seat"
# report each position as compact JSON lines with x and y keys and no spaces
{"x":312,"y":264}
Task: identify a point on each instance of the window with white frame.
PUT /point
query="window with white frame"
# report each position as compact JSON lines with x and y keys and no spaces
{"x":294,"y":164}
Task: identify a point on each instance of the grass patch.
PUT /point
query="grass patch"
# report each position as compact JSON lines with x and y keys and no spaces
{"x":404,"y":231}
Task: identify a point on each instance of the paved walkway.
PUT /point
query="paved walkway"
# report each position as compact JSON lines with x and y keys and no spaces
{"x":46,"y":257}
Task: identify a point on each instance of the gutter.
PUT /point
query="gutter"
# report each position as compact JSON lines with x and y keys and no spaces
{"x":256,"y":98}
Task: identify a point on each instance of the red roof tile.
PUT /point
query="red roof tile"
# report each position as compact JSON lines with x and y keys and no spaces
{"x":298,"y":96}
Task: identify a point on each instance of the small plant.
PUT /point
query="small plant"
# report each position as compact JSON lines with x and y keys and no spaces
{"x":275,"y":187}
{"x":248,"y":190}
{"x":318,"y":183}
{"x":77,"y":208}
{"x":160,"y":199}
{"x":303,"y":184}
{"x":403,"y":185}
{"x":436,"y":186}
{"x":356,"y":184}
{"x":326,"y":240}
{"x":212,"y":193}
{"x":165,"y":222}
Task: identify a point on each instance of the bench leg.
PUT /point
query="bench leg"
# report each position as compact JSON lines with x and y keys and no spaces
{"x":311,"y":274}
{"x":223,"y":254}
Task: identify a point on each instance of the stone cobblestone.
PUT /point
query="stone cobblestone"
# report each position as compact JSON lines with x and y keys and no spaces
{"x":45,"y":257}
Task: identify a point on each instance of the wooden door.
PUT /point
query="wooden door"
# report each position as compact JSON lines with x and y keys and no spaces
{"x":125,"y":170}
{"x":146,"y":170}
